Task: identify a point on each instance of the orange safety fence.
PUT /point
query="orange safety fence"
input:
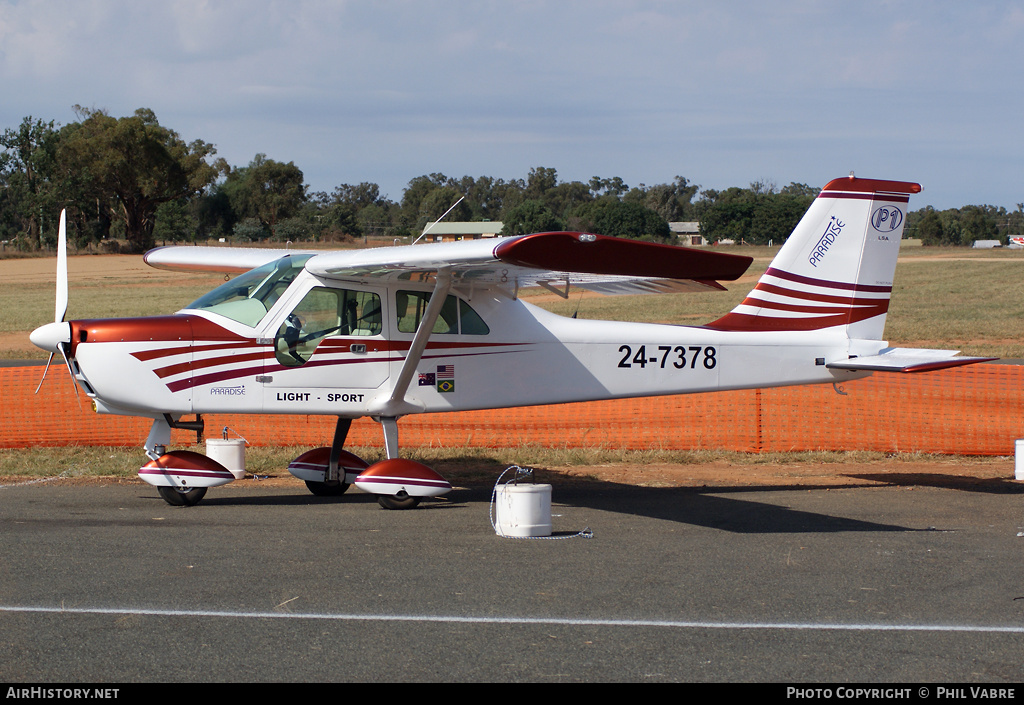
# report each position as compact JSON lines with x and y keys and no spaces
{"x":973,"y":410}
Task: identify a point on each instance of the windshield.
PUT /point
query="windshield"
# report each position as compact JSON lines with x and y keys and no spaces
{"x":249,"y":296}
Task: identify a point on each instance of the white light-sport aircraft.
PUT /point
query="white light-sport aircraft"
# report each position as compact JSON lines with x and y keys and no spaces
{"x":403,"y":330}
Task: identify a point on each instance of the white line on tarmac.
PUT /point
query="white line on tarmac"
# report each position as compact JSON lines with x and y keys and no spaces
{"x":674,"y":624}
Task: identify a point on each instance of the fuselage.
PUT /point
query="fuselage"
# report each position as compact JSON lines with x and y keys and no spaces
{"x":338,"y":347}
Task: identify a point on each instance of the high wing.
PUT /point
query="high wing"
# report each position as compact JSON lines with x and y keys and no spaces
{"x":606,"y":264}
{"x":230,"y":260}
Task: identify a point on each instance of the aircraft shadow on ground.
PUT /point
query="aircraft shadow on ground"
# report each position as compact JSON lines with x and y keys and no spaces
{"x":949,"y":482}
{"x":717,"y":507}
{"x":710,"y":509}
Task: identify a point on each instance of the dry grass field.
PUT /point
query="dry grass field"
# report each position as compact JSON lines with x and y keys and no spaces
{"x":943,"y":298}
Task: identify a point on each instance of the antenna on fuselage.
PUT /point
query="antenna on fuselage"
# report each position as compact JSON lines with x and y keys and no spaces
{"x":427,"y":229}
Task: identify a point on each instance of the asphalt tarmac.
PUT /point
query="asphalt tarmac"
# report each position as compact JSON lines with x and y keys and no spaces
{"x":108,"y":584}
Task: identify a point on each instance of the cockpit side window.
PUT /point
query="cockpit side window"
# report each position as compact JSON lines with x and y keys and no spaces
{"x":325,"y":312}
{"x":456,"y":317}
{"x":248,"y":297}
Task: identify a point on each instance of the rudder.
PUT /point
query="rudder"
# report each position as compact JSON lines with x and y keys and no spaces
{"x":836,"y":269}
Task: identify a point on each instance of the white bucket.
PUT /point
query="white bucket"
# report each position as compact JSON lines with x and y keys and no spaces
{"x":1018,"y":465}
{"x":523,"y":510}
{"x":229,"y":452}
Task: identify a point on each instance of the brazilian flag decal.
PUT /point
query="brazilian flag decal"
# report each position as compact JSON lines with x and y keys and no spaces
{"x":445,"y":378}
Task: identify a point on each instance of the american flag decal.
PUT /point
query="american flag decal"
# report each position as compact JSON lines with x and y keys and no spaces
{"x":446,"y":379}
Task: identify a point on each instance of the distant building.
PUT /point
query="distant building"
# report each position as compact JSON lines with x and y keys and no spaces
{"x":688,"y":232}
{"x":446,"y":232}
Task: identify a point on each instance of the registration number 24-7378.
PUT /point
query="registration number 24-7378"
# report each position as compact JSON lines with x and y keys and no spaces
{"x":680,"y":357}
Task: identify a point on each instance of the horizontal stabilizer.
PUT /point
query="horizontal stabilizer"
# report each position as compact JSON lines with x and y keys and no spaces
{"x":907,"y":360}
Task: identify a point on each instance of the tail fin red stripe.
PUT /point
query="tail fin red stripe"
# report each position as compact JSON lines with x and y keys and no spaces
{"x":797,"y":278}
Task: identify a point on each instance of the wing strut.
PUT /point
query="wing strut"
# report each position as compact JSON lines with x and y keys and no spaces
{"x":393,"y":407}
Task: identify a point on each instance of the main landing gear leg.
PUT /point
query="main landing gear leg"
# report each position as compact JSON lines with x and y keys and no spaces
{"x":326,"y":471}
{"x":340,"y":434}
{"x":390,"y":426}
{"x":401,"y":500}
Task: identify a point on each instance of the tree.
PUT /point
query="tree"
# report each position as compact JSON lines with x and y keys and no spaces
{"x":335,"y":215}
{"x":608,"y":187}
{"x":27,"y":167}
{"x":541,"y":180}
{"x":437,"y":202}
{"x":566,"y":197}
{"x":609,"y":216}
{"x":978,"y":224}
{"x":415,"y":192}
{"x":673,"y":202}
{"x":267,"y":190}
{"x":530,"y":216}
{"x":930,"y":229}
{"x":131,"y":165}
{"x":359,"y":196}
{"x":174,"y":222}
{"x":758,"y":215}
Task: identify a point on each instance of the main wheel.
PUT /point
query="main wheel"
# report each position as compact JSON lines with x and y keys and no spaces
{"x":327,"y":489}
{"x":181,"y":497}
{"x":398,"y":501}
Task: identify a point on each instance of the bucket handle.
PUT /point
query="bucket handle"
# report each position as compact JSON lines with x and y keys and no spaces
{"x":224,"y":434}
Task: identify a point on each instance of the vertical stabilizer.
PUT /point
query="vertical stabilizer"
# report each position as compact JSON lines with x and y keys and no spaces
{"x":836,"y":269}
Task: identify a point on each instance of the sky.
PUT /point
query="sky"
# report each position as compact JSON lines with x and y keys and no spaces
{"x":723,"y":93}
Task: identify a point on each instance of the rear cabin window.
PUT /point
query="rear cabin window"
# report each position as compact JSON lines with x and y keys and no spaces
{"x":456,"y":318}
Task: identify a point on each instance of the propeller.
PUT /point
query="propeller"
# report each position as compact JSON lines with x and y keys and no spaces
{"x":53,"y":336}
